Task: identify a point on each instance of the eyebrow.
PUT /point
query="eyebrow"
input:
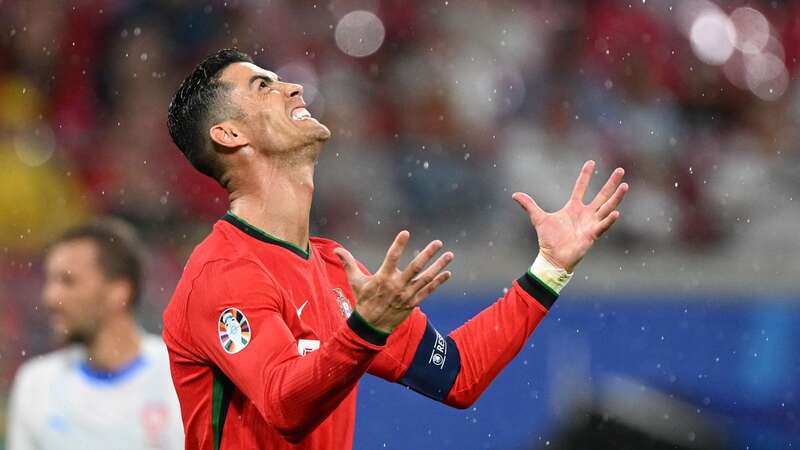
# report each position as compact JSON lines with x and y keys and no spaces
{"x":264,"y":77}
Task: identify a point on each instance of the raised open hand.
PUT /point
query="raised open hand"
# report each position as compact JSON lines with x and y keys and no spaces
{"x":387,"y":297}
{"x":567,"y":234}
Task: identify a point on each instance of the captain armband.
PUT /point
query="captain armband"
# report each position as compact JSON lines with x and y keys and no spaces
{"x":435,"y":366}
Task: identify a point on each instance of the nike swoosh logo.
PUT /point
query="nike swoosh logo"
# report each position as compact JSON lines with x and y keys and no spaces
{"x":300,"y":309}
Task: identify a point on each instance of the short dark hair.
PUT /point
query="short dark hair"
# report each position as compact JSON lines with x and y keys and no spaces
{"x":197,"y":102}
{"x":118,"y":250}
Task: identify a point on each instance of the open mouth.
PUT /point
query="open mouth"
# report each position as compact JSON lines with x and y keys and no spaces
{"x":300,"y":113}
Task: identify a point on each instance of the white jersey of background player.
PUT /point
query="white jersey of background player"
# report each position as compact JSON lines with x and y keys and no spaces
{"x":111,"y":387}
{"x":59,"y":402}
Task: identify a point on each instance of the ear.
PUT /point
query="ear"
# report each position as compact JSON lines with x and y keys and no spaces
{"x":228,"y":135}
{"x":120,"y":293}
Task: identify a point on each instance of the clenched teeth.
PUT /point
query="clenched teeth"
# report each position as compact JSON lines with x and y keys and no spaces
{"x":300,"y":114}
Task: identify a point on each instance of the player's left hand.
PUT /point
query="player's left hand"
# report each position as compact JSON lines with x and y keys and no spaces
{"x":567,"y":234}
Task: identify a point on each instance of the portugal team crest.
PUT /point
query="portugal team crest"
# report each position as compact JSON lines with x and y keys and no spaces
{"x":344,"y":304}
{"x":234,"y":330}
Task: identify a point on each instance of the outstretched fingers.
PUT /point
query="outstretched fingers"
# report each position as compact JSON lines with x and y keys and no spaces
{"x":535,"y":213}
{"x":394,"y":253}
{"x":614,"y":201}
{"x":431,"y":272}
{"x":354,"y":274}
{"x":608,"y":189}
{"x":582,"y":182}
{"x":418,"y":263}
{"x":603,"y":226}
{"x":430,"y":287}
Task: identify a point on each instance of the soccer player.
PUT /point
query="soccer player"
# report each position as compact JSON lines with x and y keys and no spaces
{"x":110,"y":388}
{"x":269,"y":330}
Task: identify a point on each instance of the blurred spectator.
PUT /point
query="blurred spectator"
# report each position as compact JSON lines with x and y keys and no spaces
{"x":434,"y":103}
{"x":37,"y":196}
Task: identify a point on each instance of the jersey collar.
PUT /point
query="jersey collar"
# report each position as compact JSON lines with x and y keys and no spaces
{"x":115,"y":376}
{"x":263,"y":236}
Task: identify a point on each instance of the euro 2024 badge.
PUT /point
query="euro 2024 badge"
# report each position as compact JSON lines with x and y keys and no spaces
{"x":344,"y":304}
{"x":234,"y":330}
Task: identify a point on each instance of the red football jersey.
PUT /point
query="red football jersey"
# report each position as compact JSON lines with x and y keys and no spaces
{"x":266,"y":350}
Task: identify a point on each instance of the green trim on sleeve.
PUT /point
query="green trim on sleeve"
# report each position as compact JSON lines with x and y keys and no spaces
{"x":544,"y":285}
{"x":365,"y":330}
{"x":538,"y":290}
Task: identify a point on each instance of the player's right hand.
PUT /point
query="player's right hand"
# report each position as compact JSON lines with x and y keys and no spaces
{"x":387,"y":297}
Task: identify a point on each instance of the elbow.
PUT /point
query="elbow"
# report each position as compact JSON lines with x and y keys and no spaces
{"x":294,"y":439}
{"x":460,"y":404}
{"x":293,"y":427}
{"x":461,"y":400}
{"x":293,"y":433}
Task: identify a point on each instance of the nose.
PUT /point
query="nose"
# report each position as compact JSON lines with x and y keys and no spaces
{"x":51,"y":295}
{"x":294,"y":89}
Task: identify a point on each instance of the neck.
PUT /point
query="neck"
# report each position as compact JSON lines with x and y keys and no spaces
{"x":274,"y":194}
{"x":116,"y":345}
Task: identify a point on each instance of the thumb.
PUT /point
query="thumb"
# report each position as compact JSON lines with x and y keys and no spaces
{"x":535,"y":213}
{"x":354,"y":274}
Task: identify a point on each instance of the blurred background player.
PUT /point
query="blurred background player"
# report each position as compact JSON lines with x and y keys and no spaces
{"x":109,"y":387}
